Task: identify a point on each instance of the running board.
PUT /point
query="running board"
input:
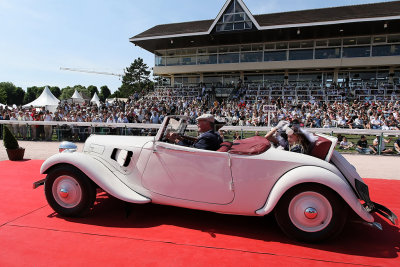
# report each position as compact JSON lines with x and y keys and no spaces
{"x":38,"y":183}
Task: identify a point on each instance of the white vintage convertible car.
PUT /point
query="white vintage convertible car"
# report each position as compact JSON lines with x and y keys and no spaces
{"x":311,"y":196}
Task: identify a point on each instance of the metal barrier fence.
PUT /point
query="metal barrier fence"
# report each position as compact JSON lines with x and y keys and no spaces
{"x":129,"y":128}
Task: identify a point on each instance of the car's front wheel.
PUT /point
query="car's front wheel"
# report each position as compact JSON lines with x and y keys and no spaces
{"x":69,"y":192}
{"x":311,"y":213}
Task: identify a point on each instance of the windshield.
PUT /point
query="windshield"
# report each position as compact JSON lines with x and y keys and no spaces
{"x":176,"y":125}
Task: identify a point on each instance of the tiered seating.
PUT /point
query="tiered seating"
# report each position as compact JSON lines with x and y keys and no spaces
{"x":293,"y":93}
{"x":165,"y":92}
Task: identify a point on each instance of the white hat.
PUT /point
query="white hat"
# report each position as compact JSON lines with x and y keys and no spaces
{"x":289,"y":131}
{"x":206,"y":117}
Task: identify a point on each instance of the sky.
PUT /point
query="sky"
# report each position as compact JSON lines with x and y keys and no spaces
{"x":37,"y":37}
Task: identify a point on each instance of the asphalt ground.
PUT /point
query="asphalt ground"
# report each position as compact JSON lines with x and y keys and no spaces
{"x":368,"y":166}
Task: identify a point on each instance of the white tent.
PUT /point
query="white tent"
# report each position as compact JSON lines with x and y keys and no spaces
{"x":4,"y":106}
{"x":46,"y":99}
{"x":95,"y":99}
{"x":77,"y":98}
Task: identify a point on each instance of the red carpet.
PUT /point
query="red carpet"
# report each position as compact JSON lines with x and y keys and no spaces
{"x":31,"y":234}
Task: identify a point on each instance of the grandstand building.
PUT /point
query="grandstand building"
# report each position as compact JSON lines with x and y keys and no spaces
{"x":350,"y":46}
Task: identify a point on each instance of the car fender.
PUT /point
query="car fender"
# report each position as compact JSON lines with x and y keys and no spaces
{"x":314,"y":174}
{"x":98,"y":173}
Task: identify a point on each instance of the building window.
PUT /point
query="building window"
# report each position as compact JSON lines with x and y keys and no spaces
{"x":393,"y":39}
{"x":274,"y":78}
{"x":234,"y":19}
{"x":210,"y":59}
{"x":275,"y":56}
{"x":160,"y":61}
{"x":327,"y":53}
{"x":253,"y":78}
{"x":386,"y":50}
{"x":251,"y":57}
{"x":228,"y":58}
{"x":212,"y":80}
{"x":357,"y":51}
{"x":353,"y":47}
{"x":190,"y":60}
{"x":174,"y":61}
{"x":301,"y":54}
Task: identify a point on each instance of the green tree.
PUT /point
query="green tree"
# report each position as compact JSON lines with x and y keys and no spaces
{"x":104,"y":93}
{"x":3,"y":96}
{"x":85,"y":93}
{"x":55,"y":90}
{"x":19,"y":96}
{"x":15,"y":95}
{"x":92,"y":89}
{"x":66,"y":93}
{"x":30,"y":94}
{"x":136,"y":78}
{"x":39,"y":91}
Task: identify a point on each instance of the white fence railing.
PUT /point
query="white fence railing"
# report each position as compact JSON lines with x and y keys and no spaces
{"x":194,"y":127}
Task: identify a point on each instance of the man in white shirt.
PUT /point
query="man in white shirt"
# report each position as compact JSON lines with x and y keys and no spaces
{"x":376,"y":123}
{"x":382,"y":144}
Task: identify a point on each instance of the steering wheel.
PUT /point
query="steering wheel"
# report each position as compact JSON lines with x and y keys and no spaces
{"x":165,"y":139}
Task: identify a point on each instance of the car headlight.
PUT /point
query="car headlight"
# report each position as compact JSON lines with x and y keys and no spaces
{"x":67,"y":147}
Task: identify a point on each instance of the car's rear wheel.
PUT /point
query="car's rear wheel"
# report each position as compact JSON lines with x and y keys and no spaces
{"x":69,"y":191}
{"x":311,"y":213}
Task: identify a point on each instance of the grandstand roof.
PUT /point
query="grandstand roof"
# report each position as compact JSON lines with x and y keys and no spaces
{"x":312,"y":17}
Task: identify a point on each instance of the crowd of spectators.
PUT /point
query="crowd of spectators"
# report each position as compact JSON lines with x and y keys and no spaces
{"x":232,"y":111}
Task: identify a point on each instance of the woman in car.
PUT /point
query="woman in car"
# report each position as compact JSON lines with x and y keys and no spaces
{"x":283,"y":137}
{"x":298,"y":141}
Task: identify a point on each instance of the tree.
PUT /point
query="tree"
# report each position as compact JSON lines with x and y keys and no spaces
{"x":19,"y":96}
{"x":30,"y":94}
{"x":3,"y":96}
{"x":66,"y":93}
{"x":82,"y":90}
{"x":92,"y":89}
{"x":15,"y":95}
{"x":55,"y":91}
{"x":39,"y":91}
{"x":104,"y":93}
{"x":135,"y":79}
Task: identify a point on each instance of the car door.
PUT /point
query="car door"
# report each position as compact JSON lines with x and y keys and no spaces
{"x":189,"y":174}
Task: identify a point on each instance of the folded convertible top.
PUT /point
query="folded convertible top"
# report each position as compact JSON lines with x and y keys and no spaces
{"x":251,"y":146}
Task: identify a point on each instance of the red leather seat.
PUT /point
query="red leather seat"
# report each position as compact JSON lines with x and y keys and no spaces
{"x":225,"y":147}
{"x":251,"y":146}
{"x":321,"y":148}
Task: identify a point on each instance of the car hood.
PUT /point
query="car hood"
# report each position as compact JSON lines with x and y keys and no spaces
{"x":116,"y":141}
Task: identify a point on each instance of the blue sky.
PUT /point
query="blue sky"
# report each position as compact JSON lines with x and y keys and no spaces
{"x":37,"y":37}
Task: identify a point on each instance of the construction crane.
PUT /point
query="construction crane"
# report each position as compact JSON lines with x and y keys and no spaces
{"x":91,"y":71}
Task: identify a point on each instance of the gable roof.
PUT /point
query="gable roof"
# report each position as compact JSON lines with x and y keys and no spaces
{"x":302,"y":18}
{"x":244,"y":7}
{"x":45,"y":99}
{"x":77,"y":95}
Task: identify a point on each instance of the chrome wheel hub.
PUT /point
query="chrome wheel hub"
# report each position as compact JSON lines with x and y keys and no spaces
{"x":63,"y":193}
{"x":310,"y":212}
{"x":67,"y":192}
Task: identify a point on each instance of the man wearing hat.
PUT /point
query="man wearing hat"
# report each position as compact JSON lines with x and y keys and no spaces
{"x":208,"y":140}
